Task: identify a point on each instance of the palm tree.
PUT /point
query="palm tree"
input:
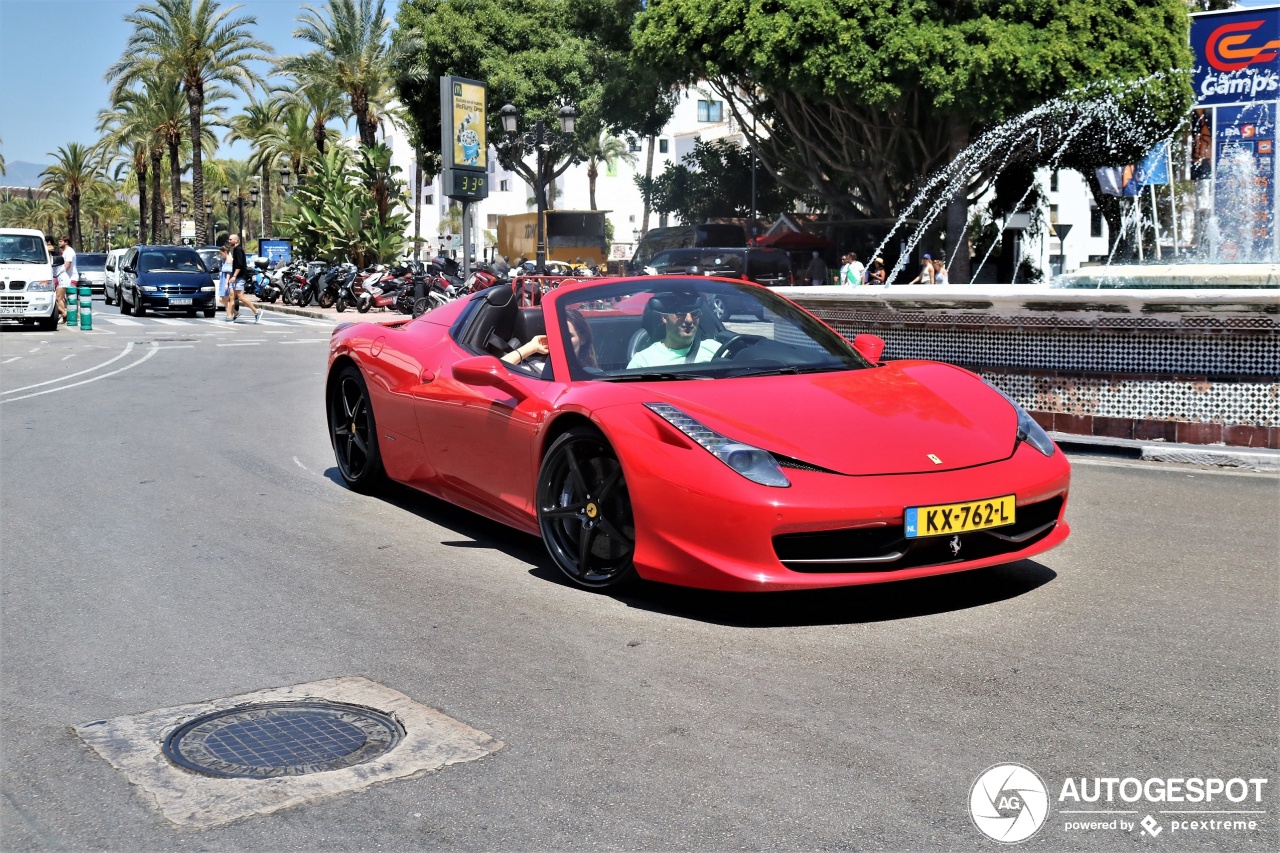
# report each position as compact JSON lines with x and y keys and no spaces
{"x":75,"y":169}
{"x":605,"y":148}
{"x":294,"y":138}
{"x":353,"y":53}
{"x":2,"y":171}
{"x":258,"y":125}
{"x":126,"y":128}
{"x":205,"y":47}
{"x":322,"y":102}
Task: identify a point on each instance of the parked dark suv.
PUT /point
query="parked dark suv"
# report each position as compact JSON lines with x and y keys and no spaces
{"x":167,"y":278}
{"x":770,"y":267}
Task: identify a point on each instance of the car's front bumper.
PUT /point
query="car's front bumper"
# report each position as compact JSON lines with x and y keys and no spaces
{"x":170,"y":302}
{"x":709,"y":527}
{"x":28,"y":305}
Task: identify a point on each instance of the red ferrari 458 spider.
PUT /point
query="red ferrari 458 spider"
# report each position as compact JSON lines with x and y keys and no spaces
{"x":754,"y":450}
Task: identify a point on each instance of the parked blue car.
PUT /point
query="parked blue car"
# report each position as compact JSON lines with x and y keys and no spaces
{"x":165,"y":278}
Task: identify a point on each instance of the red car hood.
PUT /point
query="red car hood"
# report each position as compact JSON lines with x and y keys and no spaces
{"x":894,"y":419}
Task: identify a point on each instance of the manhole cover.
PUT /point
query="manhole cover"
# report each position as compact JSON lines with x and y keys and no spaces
{"x":282,"y":739}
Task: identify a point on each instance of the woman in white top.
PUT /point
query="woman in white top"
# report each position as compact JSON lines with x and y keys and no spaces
{"x":939,"y":272}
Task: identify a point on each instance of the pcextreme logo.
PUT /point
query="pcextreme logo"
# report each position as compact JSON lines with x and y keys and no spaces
{"x":1228,"y":48}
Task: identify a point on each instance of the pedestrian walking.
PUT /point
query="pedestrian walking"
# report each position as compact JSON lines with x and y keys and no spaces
{"x":236,"y":282}
{"x":926,"y":271}
{"x":940,"y":272}
{"x":853,"y":273}
{"x":224,"y":271}
{"x":60,"y":280}
{"x":876,"y":272}
{"x":817,"y":270}
{"x":72,"y":271}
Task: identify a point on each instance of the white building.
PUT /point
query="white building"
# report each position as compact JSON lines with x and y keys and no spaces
{"x":699,"y":115}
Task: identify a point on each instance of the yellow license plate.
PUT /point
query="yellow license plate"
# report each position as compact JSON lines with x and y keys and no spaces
{"x":945,"y":519}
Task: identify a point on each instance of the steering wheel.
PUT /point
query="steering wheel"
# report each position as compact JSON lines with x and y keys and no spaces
{"x":735,"y":345}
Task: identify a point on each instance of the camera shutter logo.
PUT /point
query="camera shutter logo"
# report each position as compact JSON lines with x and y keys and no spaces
{"x":1008,"y":803}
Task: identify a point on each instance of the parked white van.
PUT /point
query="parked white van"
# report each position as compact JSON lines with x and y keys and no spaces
{"x":28,"y":293}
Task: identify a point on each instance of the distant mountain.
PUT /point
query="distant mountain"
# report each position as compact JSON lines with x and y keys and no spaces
{"x":21,"y":174}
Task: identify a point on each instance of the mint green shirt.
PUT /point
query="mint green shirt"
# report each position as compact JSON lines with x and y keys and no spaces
{"x":661,"y":355}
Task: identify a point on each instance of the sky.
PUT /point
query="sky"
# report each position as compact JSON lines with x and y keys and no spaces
{"x":57,"y":96}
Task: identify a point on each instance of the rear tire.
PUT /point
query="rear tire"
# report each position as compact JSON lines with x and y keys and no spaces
{"x":353,"y":431}
{"x":106,"y":295}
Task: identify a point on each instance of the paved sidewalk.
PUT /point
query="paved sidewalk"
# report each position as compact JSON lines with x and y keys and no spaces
{"x":349,"y":316}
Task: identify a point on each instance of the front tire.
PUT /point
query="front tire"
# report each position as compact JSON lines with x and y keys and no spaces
{"x":354,"y":432}
{"x":138,"y":308}
{"x":341,"y":305}
{"x":326,"y":299}
{"x":584,"y":511}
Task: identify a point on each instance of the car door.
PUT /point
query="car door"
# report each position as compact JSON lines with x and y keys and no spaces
{"x":109,"y":276}
{"x":482,"y":440}
{"x":128,"y":275}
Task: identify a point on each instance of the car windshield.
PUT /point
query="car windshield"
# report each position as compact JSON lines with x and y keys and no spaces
{"x":170,"y":260}
{"x":698,"y":262}
{"x":91,"y":261}
{"x":686,"y":327}
{"x":22,"y":249}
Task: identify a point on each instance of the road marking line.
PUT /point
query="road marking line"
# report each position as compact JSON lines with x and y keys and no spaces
{"x":154,"y":349}
{"x":69,"y":355}
{"x":179,"y":346}
{"x":119,"y":321}
{"x":7,"y":360}
{"x":169,"y":321}
{"x":127,"y":348}
{"x":245,"y":344}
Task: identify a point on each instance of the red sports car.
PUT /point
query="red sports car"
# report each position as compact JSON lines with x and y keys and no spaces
{"x":656,"y":439}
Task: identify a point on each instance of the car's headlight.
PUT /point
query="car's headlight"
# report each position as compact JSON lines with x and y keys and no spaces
{"x":206,"y":290}
{"x":147,"y":288}
{"x":1028,"y":430}
{"x":755,"y":464}
{"x":34,"y":286}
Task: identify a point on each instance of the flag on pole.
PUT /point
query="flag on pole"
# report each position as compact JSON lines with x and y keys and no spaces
{"x":1153,"y":171}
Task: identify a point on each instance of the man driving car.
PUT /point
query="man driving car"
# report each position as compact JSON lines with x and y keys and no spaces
{"x":683,"y":341}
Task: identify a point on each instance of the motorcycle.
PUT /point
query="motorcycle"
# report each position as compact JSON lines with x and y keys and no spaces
{"x":264,"y":286}
{"x":321,"y":285}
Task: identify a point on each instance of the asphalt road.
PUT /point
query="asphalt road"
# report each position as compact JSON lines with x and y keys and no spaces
{"x":171,"y":530}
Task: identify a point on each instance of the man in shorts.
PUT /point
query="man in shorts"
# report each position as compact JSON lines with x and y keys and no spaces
{"x":236,"y":281}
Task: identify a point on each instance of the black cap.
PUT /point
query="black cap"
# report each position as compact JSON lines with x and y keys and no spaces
{"x":673,"y":301}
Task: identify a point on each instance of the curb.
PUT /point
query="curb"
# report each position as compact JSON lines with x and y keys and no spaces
{"x":299,"y":312}
{"x":1218,"y":455}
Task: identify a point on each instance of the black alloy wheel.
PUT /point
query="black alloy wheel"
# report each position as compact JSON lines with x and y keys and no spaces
{"x":584,"y":511}
{"x":354,"y":432}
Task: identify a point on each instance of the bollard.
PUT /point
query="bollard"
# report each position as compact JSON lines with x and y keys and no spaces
{"x":86,"y":307}
{"x":73,"y":301}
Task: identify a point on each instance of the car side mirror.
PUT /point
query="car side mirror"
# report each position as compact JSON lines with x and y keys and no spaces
{"x":870,"y":347}
{"x":486,"y":371}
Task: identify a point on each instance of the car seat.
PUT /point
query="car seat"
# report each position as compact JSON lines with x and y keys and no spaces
{"x":651,"y":327}
{"x":494,"y":323}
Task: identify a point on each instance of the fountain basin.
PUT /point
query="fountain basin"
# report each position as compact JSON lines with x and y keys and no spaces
{"x":1176,"y":364}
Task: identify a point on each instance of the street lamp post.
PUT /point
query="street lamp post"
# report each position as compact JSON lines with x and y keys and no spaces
{"x":543,"y":142}
{"x":285,"y":175}
{"x":226,"y":199}
{"x":182,"y":210}
{"x":208,"y":219}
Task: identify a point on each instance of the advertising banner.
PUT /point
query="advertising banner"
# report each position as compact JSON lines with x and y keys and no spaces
{"x":462,"y":124}
{"x":1244,"y":185}
{"x":1237,"y":56}
{"x":276,"y":251}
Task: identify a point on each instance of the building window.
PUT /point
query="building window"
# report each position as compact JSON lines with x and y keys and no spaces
{"x":1053,"y":214}
{"x":428,"y":199}
{"x":633,"y":143}
{"x":631,"y":218}
{"x":710,"y":111}
{"x":1053,"y":181}
{"x":504,"y":186}
{"x":662,"y":146}
{"x":1095,"y":222}
{"x":491,"y":221}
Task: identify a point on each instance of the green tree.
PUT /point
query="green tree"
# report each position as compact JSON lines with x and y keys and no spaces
{"x":857,"y":103}
{"x":536,"y":55}
{"x":714,"y":180}
{"x":259,"y":125}
{"x":126,"y":130}
{"x":352,"y":53}
{"x":604,"y":148}
{"x":204,"y":46}
{"x":321,"y":102}
{"x":337,"y":217}
{"x":75,"y":169}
